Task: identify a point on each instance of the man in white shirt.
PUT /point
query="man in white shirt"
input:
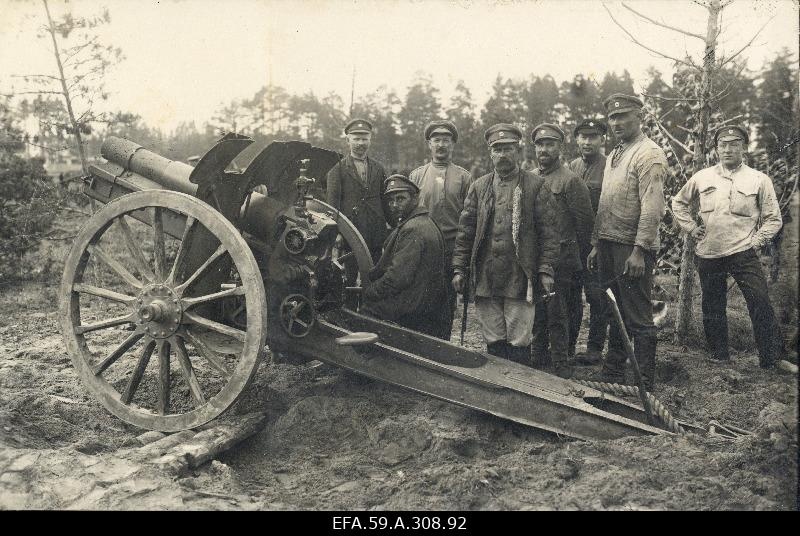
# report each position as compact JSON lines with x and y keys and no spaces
{"x":739,"y":214}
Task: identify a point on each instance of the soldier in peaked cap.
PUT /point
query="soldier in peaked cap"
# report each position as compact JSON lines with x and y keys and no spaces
{"x":589,"y":135}
{"x":738,"y":215}
{"x":506,"y":246}
{"x":354,"y":188}
{"x":625,"y":236}
{"x":408,"y":284}
{"x":443,"y":188}
{"x":554,"y":324}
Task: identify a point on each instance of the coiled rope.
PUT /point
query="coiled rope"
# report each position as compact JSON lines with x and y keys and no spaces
{"x":658,"y":408}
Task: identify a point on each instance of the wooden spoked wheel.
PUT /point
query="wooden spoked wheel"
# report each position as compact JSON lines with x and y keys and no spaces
{"x":140,"y":310}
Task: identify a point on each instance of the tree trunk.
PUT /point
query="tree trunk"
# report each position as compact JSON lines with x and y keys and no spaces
{"x":683,"y":317}
{"x":75,"y":127}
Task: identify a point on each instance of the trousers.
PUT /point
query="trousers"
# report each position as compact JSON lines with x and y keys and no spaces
{"x":552,"y":324}
{"x":745,"y":268}
{"x":633,"y":299}
{"x":505,"y":319}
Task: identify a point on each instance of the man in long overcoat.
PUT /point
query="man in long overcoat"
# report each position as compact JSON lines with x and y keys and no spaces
{"x":507,"y":245}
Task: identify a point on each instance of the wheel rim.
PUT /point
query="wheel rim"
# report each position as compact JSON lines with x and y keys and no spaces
{"x":358,"y":250}
{"x":164,"y":339}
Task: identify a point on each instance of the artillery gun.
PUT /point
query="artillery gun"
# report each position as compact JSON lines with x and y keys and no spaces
{"x":189,"y":275}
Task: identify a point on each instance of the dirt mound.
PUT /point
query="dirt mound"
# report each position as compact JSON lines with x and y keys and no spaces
{"x":334,"y":440}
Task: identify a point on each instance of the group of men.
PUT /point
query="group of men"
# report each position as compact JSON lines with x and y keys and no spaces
{"x":527,"y":241}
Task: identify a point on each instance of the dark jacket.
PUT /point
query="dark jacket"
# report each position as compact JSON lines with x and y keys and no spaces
{"x":592,"y":175}
{"x":407,"y":286}
{"x":572,"y":205}
{"x":359,"y":202}
{"x":538,"y":246}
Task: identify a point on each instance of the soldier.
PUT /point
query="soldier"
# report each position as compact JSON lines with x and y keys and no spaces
{"x":506,"y":245}
{"x":443,"y":188}
{"x":590,"y":135}
{"x":739,"y":214}
{"x":572,"y":208}
{"x":354,"y":187}
{"x":408,"y":284}
{"x":625,"y":236}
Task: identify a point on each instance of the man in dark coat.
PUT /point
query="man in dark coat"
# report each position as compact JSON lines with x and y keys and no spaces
{"x":554,"y":325}
{"x":354,"y":187}
{"x":590,"y":135}
{"x":407,"y":286}
{"x":507,"y":245}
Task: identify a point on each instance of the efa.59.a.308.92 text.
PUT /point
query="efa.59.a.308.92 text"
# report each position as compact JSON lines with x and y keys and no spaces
{"x":399,"y":522}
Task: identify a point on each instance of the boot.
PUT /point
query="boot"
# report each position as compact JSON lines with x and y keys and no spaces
{"x":498,"y":348}
{"x":644,"y":346}
{"x":520,"y":354}
{"x":613,"y":370}
{"x":563,"y":369}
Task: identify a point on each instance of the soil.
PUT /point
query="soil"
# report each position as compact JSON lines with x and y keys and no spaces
{"x":334,"y":440}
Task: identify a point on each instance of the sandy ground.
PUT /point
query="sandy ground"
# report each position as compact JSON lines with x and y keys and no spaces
{"x":334,"y":440}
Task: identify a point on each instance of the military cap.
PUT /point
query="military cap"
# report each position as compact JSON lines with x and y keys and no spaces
{"x":358,"y":126}
{"x":502,"y":133}
{"x":619,"y":103}
{"x":399,"y":183}
{"x":730,"y":133}
{"x":547,"y":131}
{"x":590,"y":126}
{"x":441,"y":127}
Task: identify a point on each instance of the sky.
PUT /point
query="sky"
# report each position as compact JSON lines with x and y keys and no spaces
{"x":184,"y":59}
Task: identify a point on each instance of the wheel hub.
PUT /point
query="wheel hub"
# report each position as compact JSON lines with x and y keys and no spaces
{"x":159,"y":311}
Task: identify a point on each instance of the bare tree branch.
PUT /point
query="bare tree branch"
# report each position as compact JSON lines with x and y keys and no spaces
{"x":666,"y":56}
{"x":687,"y":130}
{"x":731,"y":120}
{"x":721,"y":65}
{"x":661,"y":24}
{"x":672,"y":99}
{"x":35,"y":76}
{"x":40,"y":92}
{"x":669,"y":112}
{"x":674,"y":139}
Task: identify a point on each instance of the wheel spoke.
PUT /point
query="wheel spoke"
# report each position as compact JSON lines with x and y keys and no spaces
{"x":233,"y":333}
{"x":138,"y":372}
{"x":103,"y":293}
{"x":163,"y":378}
{"x":191,"y":302}
{"x":136,"y":253}
{"x":214,"y":256}
{"x":344,"y":257}
{"x":208,"y":354}
{"x":116,"y":354}
{"x":98,"y":252}
{"x":159,"y":253}
{"x":182,"y":249}
{"x":129,"y":318}
{"x":188,"y":372}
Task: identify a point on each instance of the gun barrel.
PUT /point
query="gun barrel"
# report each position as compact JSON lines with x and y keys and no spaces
{"x":169,"y":174}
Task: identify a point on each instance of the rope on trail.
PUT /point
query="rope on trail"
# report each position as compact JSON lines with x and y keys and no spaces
{"x":620,"y":390}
